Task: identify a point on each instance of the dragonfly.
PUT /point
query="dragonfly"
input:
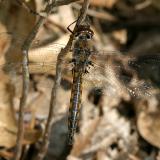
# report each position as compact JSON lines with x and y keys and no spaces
{"x":112,"y":71}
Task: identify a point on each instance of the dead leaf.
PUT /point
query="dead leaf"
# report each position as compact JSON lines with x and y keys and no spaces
{"x":148,"y":123}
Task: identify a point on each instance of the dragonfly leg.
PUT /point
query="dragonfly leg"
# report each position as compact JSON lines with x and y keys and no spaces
{"x":73,"y":60}
{"x":88,"y":66}
{"x":68,"y":28}
{"x":90,"y":63}
{"x":134,"y":64}
{"x":86,"y":71}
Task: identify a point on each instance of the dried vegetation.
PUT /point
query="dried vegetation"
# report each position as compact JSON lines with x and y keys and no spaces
{"x":114,"y":125}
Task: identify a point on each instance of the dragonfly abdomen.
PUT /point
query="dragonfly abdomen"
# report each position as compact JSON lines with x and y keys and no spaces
{"x":75,"y":104}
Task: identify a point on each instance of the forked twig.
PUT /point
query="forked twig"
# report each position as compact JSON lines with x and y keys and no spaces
{"x":52,"y":5}
{"x":25,"y":47}
{"x":61,"y":55}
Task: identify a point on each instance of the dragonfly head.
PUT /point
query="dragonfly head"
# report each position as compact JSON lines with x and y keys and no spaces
{"x":84,"y":32}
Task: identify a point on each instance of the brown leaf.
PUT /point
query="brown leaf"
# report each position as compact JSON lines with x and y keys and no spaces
{"x":149,"y":124}
{"x":32,"y":136}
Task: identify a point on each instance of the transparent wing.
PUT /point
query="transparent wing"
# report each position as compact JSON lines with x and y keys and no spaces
{"x":117,"y":76}
{"x":114,"y":75}
{"x":111,"y":71}
{"x":115,"y":79}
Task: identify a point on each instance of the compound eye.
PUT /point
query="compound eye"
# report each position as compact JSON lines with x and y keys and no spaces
{"x":89,"y":36}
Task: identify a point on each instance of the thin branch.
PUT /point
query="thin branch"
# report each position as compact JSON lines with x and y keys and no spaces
{"x":26,"y":7}
{"x":25,"y":69}
{"x":63,"y":2}
{"x":61,"y":55}
{"x":25,"y":90}
{"x":52,"y":5}
{"x":96,"y":14}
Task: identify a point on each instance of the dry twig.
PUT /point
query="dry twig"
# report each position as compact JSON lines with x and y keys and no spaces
{"x":52,"y":5}
{"x":25,"y":90}
{"x":60,"y":57}
{"x":63,"y":2}
{"x":97,"y":14}
{"x":24,"y":5}
{"x":25,"y":47}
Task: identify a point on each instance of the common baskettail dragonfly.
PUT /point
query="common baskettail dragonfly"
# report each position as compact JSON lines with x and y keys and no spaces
{"x":93,"y":68}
